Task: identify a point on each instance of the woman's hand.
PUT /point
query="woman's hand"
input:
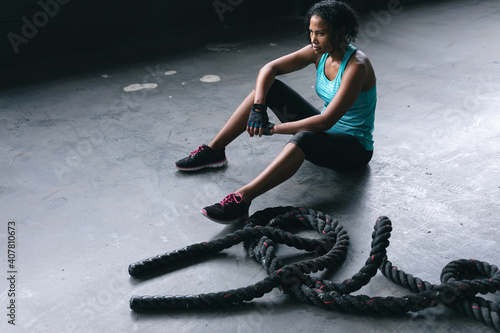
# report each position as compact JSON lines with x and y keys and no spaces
{"x":268,"y":129}
{"x":258,"y":121}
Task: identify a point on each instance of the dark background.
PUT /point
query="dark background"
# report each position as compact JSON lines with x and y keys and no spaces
{"x":37,"y":32}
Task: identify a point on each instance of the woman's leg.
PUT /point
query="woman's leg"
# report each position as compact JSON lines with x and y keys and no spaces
{"x":213,"y":155}
{"x":337,"y":151}
{"x":288,"y":106}
{"x":235,"y":125}
{"x":235,"y":206}
{"x":285,"y":102}
{"x":281,"y":168}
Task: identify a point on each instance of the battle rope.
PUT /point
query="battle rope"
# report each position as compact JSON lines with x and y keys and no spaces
{"x":461,"y":280}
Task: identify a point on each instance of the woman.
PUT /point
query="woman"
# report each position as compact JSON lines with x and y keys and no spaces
{"x":339,"y":137}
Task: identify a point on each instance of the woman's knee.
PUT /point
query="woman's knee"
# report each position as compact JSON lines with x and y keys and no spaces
{"x":277,"y":84}
{"x":305,"y":136}
{"x":275,"y":96}
{"x":304,"y":140}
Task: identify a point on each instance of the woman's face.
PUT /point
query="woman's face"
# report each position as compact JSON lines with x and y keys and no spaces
{"x":320,"y":36}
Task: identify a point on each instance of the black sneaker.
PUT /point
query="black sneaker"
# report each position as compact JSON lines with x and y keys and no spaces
{"x":203,"y":157}
{"x":231,"y":209}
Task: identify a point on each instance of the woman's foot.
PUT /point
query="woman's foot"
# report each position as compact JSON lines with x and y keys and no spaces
{"x":230,"y":210}
{"x":201,"y":158}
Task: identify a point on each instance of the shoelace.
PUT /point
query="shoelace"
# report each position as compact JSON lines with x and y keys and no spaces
{"x":199,"y":149}
{"x":233,"y":197}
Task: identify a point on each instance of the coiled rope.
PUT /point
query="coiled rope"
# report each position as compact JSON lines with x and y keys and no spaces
{"x":461,"y":280}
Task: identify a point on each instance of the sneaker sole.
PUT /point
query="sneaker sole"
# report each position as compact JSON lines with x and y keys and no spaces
{"x":204,"y":166}
{"x":204,"y":212}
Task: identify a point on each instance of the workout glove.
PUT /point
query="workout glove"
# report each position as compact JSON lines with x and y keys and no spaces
{"x":259,"y":119}
{"x":266,"y":129}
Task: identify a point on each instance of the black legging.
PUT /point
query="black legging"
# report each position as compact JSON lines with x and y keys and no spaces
{"x":337,"y":151}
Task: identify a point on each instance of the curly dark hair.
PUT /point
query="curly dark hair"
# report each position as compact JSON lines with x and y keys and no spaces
{"x":339,"y":15}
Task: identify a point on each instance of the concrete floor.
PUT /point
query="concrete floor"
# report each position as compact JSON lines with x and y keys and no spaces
{"x":88,"y":177}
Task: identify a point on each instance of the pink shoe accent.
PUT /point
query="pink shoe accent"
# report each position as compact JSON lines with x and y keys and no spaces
{"x":233,"y":197}
{"x":197,"y":150}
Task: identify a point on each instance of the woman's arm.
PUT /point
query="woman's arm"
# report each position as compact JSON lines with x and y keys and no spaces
{"x":286,"y":64}
{"x":356,"y":76}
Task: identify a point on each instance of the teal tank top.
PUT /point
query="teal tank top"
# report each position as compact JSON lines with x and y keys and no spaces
{"x":360,"y":118}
